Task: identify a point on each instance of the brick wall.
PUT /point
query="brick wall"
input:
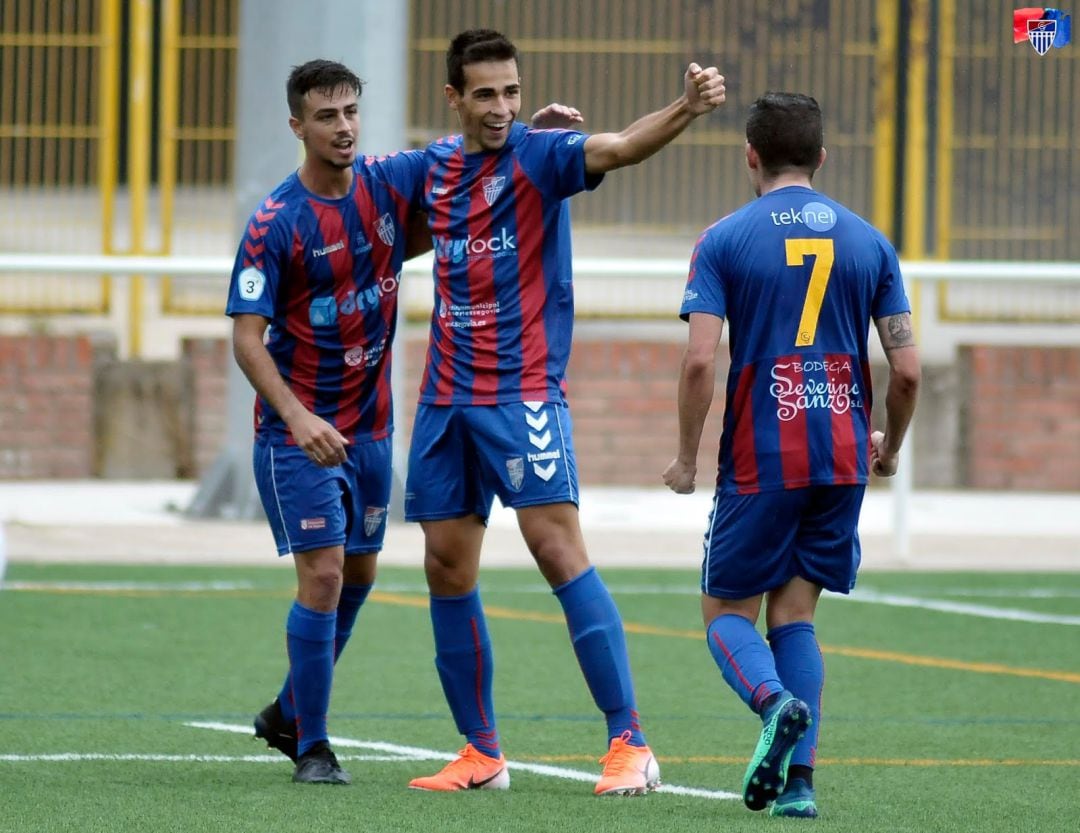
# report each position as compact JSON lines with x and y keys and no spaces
{"x":1021,"y":417}
{"x":1015,"y":410}
{"x":207,"y":359}
{"x":46,"y":406}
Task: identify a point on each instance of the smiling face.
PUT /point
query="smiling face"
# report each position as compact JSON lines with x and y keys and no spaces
{"x":329,"y":126}
{"x":488,"y":105}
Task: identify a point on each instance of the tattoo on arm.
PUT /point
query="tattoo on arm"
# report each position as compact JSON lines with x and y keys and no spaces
{"x":900,"y":334}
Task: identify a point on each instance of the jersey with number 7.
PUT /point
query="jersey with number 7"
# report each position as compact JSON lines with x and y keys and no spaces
{"x":798,"y":278}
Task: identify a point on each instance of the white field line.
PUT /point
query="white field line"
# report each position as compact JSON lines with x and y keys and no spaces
{"x":866,"y":595}
{"x":984,"y":611}
{"x":131,"y":586}
{"x":74,"y":757}
{"x":417,"y":753}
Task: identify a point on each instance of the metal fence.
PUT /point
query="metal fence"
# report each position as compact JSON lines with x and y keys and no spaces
{"x":117,"y":126}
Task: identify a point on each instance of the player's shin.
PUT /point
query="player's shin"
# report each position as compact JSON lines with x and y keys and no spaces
{"x":596,"y":631}
{"x":802,"y":671}
{"x":464,"y":660}
{"x":310,"y":636}
{"x":744,"y":659}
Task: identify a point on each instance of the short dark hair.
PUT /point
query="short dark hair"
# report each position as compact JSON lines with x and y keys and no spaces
{"x":785,"y":130}
{"x":322,"y":75}
{"x":473,"y":46}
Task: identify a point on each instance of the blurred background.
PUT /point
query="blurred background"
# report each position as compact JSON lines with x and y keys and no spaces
{"x":153,"y":128}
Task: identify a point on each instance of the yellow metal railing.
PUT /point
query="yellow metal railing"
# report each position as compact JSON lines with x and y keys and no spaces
{"x":990,"y":152}
{"x":58,"y":145}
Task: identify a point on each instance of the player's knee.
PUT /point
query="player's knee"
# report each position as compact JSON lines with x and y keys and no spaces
{"x":448,"y":575}
{"x":559,"y":560}
{"x":320,"y":587}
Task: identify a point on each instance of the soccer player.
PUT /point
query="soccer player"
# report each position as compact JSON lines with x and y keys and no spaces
{"x":799,"y":277}
{"x":493,"y":418}
{"x":320,"y":265}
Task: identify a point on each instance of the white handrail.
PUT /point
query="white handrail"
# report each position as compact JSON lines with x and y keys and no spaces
{"x":929,"y":272}
{"x":180,"y":265}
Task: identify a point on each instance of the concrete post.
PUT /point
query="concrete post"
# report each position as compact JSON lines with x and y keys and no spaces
{"x":275,"y":35}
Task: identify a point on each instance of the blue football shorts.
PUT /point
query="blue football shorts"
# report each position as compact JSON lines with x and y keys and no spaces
{"x":756,"y":543}
{"x":463,"y":455}
{"x":310,"y":507}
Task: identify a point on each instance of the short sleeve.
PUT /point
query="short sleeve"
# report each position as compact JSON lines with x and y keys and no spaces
{"x":260,"y":259}
{"x":889,"y":295}
{"x":555,"y":161}
{"x":704,"y":287}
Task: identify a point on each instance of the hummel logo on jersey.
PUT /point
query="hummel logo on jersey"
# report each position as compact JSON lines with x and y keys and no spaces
{"x":493,"y":186}
{"x":439,"y":191}
{"x":326,"y":250}
{"x":384,"y":227}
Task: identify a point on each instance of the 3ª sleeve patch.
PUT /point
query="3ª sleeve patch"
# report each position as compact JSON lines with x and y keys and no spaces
{"x":251,"y":283}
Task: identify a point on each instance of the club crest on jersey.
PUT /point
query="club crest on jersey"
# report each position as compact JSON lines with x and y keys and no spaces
{"x":493,"y":186}
{"x":515,"y":468}
{"x":384,"y":227}
{"x":373,"y":519}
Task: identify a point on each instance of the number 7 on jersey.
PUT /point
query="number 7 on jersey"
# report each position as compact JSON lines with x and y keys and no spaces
{"x":821,"y":249}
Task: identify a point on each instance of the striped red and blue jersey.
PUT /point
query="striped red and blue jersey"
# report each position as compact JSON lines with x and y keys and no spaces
{"x":798,"y":277}
{"x":325,"y":273}
{"x":504,"y":306}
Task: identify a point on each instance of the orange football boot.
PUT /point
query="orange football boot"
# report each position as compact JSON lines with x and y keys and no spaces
{"x":472,"y":770}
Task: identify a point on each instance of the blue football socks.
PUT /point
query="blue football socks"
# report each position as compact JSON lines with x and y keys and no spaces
{"x":310,"y":638}
{"x":800,"y":666}
{"x":352,"y":599}
{"x":463,"y":658}
{"x":596,"y":631}
{"x":744,"y":659}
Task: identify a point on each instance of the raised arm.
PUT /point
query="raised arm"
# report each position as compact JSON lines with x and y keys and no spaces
{"x":317,"y":437}
{"x":703,"y":92}
{"x":905,"y":371}
{"x":697,"y":379}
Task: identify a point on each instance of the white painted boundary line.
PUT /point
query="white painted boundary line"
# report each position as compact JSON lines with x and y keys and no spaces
{"x":866,"y":595}
{"x":417,"y":753}
{"x":76,"y":757}
{"x":984,"y":611}
{"x":133,"y":586}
